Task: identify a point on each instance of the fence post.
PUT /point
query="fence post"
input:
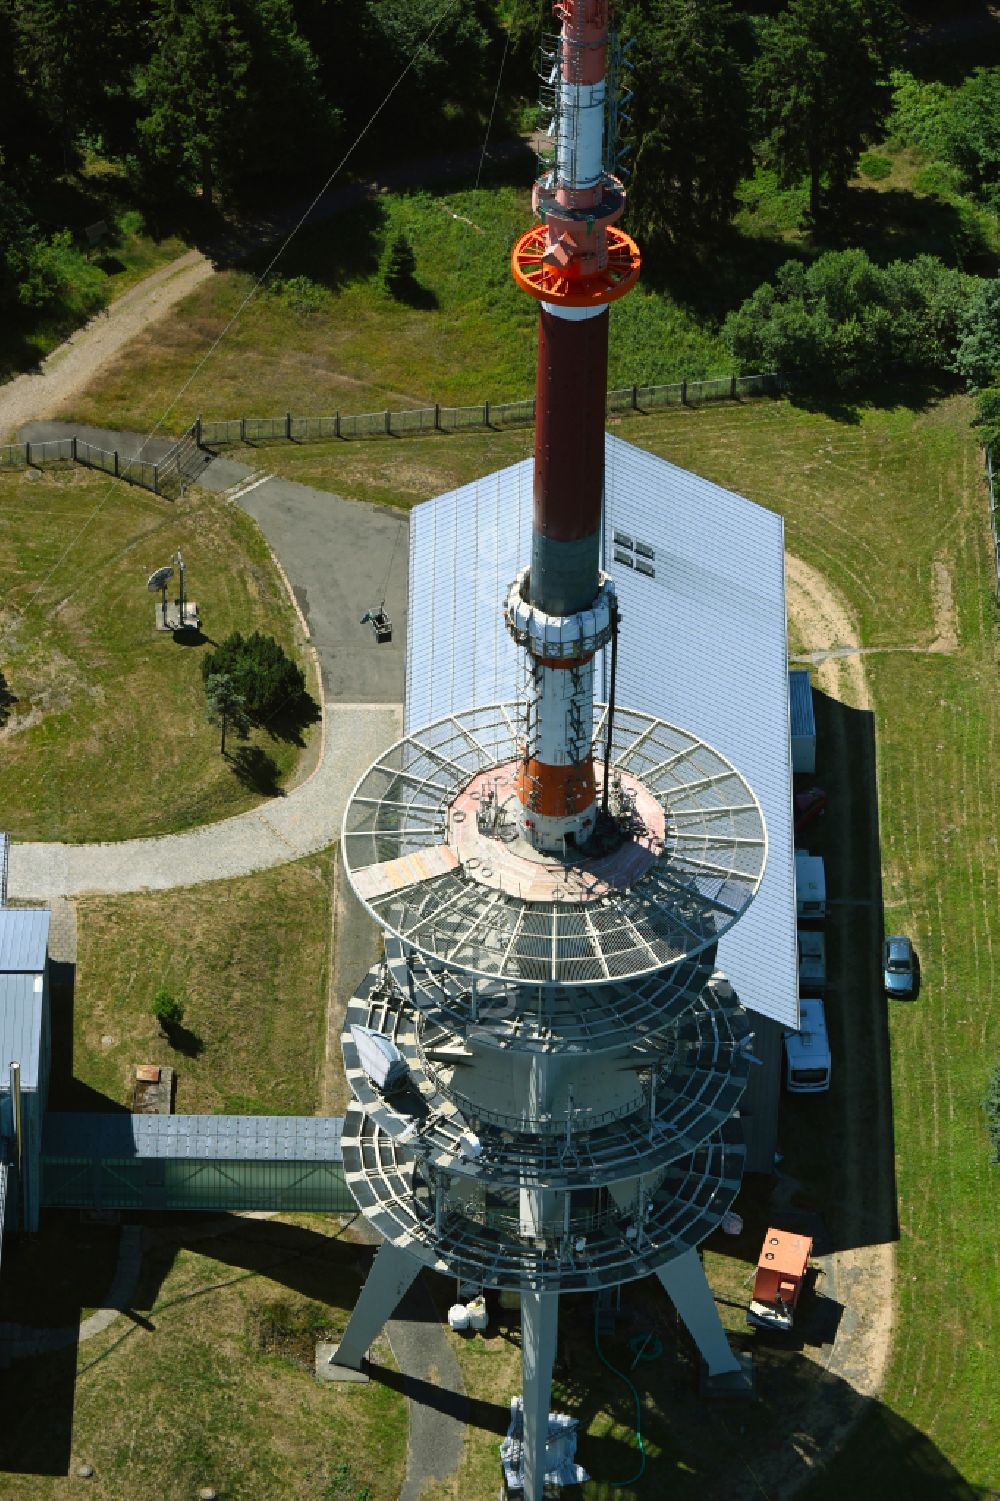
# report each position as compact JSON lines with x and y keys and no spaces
{"x":27,"y":455}
{"x":156,"y":479}
{"x":336,"y":424}
{"x":732,"y":387}
{"x":635,"y":398}
{"x":437,"y":416}
{"x":116,"y":463}
{"x":684,"y":393}
{"x":486,"y":414}
{"x":243,"y":429}
{"x":388,"y":422}
{"x":197,"y":433}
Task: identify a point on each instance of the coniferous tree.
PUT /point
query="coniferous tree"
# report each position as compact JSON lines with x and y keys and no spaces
{"x":822,"y":86}
{"x":691,"y":123}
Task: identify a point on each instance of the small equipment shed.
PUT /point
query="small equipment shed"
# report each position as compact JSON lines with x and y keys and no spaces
{"x":803,"y":721}
{"x":24,"y":1041}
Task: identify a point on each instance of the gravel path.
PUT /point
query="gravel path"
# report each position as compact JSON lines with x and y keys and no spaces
{"x":306,"y":820}
{"x":69,"y":369}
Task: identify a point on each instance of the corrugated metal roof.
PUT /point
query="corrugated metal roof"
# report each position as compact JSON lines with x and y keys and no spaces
{"x":20,"y":1028}
{"x":801,"y":701}
{"x":24,"y":940}
{"x":703,"y":645}
{"x":4,"y":854}
{"x":206,"y":1138}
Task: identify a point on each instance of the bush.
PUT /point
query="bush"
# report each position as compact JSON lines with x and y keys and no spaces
{"x":167,"y":1009}
{"x":874,"y":166}
{"x":987,"y":418}
{"x":844,"y":322}
{"x":268,"y":681}
{"x":977,"y":355}
{"x":991,"y":1107}
{"x":303,"y":296}
{"x":131,"y":224}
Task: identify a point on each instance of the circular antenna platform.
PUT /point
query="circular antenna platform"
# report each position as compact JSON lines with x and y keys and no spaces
{"x":160,"y":579}
{"x":433,"y":852}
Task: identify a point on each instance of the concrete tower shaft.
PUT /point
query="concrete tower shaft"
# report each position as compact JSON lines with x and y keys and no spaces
{"x":575,"y":264}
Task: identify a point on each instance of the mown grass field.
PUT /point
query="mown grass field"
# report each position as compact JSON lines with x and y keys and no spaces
{"x":340,"y":342}
{"x":253,"y":1033}
{"x":208,"y":1380}
{"x":102,"y":728}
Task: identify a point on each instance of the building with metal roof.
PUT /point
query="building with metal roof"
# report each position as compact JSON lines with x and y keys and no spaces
{"x":702,"y":569}
{"x":24,"y":940}
{"x":24,"y":1040}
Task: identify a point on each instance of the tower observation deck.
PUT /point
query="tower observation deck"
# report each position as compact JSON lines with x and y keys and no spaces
{"x":552,"y":876}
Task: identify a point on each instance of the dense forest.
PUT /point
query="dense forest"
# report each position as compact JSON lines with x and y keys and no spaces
{"x":171,"y":116}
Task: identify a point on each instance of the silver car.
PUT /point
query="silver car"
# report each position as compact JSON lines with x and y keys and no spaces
{"x":899,"y":967}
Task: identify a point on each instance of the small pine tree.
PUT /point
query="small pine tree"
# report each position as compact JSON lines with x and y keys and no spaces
{"x":226,"y":707}
{"x":400,"y":267}
{"x":167,"y":1009}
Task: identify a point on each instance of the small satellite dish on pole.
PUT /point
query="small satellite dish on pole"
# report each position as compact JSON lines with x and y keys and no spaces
{"x":157,"y":582}
{"x":160,"y":579}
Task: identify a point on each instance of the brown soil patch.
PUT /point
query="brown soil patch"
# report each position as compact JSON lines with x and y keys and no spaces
{"x":945,"y":615}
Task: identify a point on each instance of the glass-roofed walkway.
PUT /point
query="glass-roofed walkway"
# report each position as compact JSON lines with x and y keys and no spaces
{"x":194,"y":1162}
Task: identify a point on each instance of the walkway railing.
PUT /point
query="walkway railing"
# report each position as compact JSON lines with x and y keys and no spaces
{"x":181,"y":464}
{"x":164,"y":477}
{"x":408,"y":421}
{"x":993,"y":518}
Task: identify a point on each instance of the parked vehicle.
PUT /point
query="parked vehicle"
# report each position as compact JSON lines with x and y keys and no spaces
{"x":812,"y":961}
{"x":807,"y":1051}
{"x":781,"y":1275}
{"x":810,"y":885}
{"x":807,"y":807}
{"x":899,"y":967}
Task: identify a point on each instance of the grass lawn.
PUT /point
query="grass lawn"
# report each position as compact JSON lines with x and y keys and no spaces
{"x":105,"y":736}
{"x":254,"y":993}
{"x":208,"y":1381}
{"x":328,"y":337}
{"x":888,"y":505}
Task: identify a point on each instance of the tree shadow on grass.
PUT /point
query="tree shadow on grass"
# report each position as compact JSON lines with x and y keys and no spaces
{"x":7,"y":700}
{"x":292,"y":719}
{"x":183,"y":1040}
{"x":254,"y":769}
{"x":915,"y":394}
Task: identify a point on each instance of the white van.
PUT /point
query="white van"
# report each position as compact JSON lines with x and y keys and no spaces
{"x":807,"y":1051}
{"x":810,"y":885}
{"x":812,"y":961}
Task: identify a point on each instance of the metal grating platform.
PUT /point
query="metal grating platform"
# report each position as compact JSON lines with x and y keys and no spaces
{"x":402,"y":857}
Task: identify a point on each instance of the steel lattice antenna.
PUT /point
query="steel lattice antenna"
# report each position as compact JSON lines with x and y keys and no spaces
{"x":547,"y":1068}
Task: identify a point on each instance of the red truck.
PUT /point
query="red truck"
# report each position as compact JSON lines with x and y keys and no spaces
{"x":781,"y":1272}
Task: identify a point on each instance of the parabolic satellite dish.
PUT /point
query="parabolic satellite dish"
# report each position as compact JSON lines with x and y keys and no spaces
{"x":160,"y":579}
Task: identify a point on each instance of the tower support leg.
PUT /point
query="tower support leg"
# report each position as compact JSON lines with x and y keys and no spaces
{"x":539,"y":1325}
{"x":687,"y":1287}
{"x":391,"y":1274}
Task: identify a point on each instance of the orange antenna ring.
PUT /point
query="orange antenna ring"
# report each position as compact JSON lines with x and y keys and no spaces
{"x":547,"y":284}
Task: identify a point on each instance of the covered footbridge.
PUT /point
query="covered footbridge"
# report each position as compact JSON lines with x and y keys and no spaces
{"x":194,"y":1162}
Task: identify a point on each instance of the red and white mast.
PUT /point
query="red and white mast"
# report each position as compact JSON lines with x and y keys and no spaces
{"x":561,"y":609}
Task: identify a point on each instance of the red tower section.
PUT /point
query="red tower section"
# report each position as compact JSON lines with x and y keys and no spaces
{"x":575,"y":262}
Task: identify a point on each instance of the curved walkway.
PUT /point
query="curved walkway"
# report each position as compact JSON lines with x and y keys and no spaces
{"x":306,"y":820}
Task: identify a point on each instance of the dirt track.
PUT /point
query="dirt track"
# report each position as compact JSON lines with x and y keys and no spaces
{"x":69,"y":369}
